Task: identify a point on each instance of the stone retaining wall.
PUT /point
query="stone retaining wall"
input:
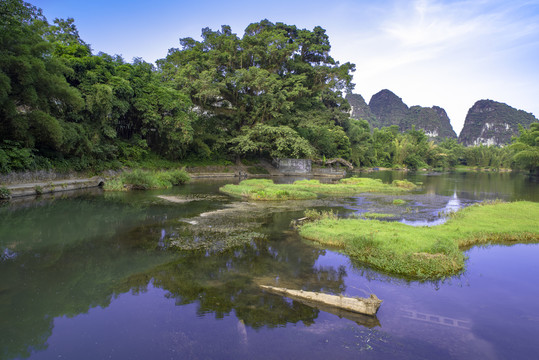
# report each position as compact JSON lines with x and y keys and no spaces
{"x":293,"y":166}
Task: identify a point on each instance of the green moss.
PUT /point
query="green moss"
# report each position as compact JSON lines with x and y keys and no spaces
{"x":265,"y":189}
{"x":427,"y":252}
{"x":398,"y":202}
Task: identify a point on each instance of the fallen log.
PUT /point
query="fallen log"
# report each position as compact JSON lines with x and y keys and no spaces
{"x":367,"y":306}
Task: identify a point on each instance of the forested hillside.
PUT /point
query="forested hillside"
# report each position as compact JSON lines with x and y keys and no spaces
{"x":493,"y":123}
{"x":275,"y":91}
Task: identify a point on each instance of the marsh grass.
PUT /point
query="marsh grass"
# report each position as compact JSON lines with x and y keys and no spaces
{"x":144,"y":179}
{"x":428,"y":252}
{"x":265,"y":189}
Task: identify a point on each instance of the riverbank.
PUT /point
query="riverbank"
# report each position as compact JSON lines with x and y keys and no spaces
{"x":28,"y":183}
{"x":33,"y":183}
{"x":48,"y":187}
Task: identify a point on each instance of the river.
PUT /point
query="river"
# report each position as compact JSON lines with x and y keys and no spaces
{"x":93,"y":275}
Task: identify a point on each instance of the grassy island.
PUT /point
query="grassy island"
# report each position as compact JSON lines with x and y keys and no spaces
{"x":426,"y":252}
{"x":265,"y":189}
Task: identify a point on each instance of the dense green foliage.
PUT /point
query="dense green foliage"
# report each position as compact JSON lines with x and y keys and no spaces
{"x":426,"y":252}
{"x":144,"y":180}
{"x":526,"y":148}
{"x":62,"y":106}
{"x":274,"y":92}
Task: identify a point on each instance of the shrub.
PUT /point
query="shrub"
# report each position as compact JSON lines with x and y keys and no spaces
{"x":143,"y":180}
{"x":5,"y":193}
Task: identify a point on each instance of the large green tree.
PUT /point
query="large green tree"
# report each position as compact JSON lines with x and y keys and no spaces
{"x":35,"y":98}
{"x":526,"y":147}
{"x":276,"y":75}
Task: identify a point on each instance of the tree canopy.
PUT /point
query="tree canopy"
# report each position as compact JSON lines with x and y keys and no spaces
{"x":274,"y":91}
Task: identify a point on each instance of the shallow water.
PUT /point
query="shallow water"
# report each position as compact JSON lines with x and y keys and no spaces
{"x":90,"y":275}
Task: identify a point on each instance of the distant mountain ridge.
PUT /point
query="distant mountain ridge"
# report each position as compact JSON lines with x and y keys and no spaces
{"x":386,"y":109}
{"x":361,"y":110}
{"x":490,"y":122}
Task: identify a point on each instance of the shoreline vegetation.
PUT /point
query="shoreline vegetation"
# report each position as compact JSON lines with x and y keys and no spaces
{"x":425,"y":253}
{"x":147,"y":179}
{"x":267,"y":190}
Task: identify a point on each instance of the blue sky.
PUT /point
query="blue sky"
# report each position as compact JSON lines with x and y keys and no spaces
{"x":448,"y":53}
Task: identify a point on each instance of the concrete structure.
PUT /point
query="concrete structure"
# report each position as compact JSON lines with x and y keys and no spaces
{"x":293,"y":166}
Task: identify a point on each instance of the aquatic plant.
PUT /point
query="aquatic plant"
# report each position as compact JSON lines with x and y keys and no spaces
{"x":427,"y":252}
{"x":404,"y":184}
{"x":313,"y":215}
{"x":265,"y":189}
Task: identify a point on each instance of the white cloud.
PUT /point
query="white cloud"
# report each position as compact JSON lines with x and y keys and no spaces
{"x":448,"y":53}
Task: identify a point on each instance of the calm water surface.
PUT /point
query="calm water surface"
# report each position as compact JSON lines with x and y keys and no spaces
{"x":95,"y":276}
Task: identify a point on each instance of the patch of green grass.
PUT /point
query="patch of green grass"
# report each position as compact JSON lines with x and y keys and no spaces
{"x":265,"y":189}
{"x":368,"y":215}
{"x":144,"y":179}
{"x":427,"y":252}
{"x":398,"y":202}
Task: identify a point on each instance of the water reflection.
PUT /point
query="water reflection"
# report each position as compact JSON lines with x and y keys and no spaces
{"x":103,"y":269}
{"x":453,"y":204}
{"x":66,"y":257}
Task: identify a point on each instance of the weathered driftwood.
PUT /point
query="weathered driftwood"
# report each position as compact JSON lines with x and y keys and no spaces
{"x":369,"y":321}
{"x":367,"y":306}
